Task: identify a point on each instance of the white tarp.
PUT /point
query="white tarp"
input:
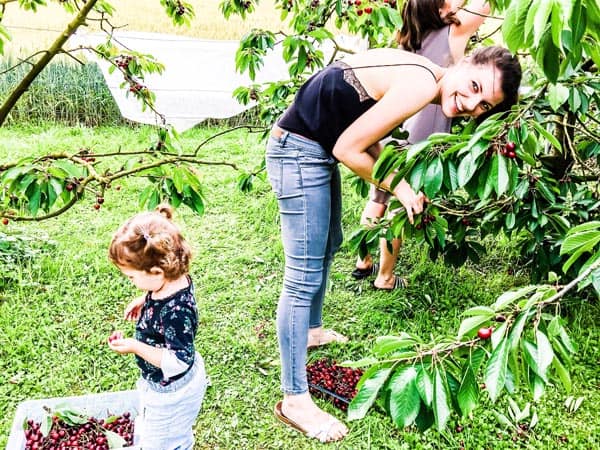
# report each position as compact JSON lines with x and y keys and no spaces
{"x":198,"y":80}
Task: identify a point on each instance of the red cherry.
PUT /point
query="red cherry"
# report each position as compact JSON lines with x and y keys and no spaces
{"x":511,"y":155}
{"x":96,"y":206}
{"x":485,"y":333}
{"x":357,"y":2}
{"x":100,"y":200}
{"x":69,"y":187}
{"x":4,"y":221}
{"x":359,"y":12}
{"x":510,"y":146}
{"x":368,"y":10}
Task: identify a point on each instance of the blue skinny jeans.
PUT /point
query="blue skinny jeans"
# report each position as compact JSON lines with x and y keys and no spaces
{"x":306,"y":181}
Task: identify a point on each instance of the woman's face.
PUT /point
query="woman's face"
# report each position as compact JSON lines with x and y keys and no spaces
{"x":470,"y":90}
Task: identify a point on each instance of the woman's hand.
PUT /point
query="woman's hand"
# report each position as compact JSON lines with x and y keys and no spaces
{"x":412,"y":202}
{"x":133,"y":310}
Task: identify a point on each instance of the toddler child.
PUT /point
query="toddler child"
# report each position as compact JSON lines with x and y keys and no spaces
{"x":150,"y":250}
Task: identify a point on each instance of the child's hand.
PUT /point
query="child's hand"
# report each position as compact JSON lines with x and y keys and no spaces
{"x":132,"y":311}
{"x":115,"y":335}
{"x":120,"y":344}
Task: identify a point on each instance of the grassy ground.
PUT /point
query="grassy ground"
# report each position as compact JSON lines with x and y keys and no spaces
{"x":57,"y":312}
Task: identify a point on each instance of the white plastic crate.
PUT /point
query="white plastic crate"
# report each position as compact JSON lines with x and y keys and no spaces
{"x":95,"y":405}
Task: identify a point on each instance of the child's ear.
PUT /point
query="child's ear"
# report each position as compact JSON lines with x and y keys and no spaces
{"x":157,"y":271}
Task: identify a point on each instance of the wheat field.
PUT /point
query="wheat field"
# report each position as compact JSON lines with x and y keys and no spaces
{"x":35,"y":31}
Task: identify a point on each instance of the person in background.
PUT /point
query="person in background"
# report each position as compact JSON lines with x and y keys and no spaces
{"x":338,"y":116}
{"x":150,"y":250}
{"x":439,"y":30}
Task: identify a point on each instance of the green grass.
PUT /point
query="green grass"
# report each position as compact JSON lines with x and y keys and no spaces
{"x":57,"y":310}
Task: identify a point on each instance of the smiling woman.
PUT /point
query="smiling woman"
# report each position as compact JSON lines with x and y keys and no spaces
{"x":339,"y":115}
{"x":472,"y":89}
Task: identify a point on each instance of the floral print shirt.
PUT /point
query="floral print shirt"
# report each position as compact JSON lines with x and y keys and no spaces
{"x":169,"y":323}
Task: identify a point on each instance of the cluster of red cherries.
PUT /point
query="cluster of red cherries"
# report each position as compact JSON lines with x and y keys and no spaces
{"x":328,"y":380}
{"x":122,"y":61}
{"x":427,"y":219}
{"x":509,"y":150}
{"x":88,"y":436}
{"x":368,"y":9}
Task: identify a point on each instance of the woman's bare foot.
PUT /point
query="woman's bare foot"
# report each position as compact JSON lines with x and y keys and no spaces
{"x":364,"y":264}
{"x":308,"y":418}
{"x":389,"y":283}
{"x":321,"y":336}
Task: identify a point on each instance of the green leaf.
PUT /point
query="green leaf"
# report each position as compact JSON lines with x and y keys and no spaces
{"x":367,"y":394}
{"x":433,"y":178}
{"x":548,"y":57}
{"x":495,"y":372}
{"x":545,"y":352}
{"x":479,"y":311}
{"x":34,"y":197}
{"x":502,"y":176}
{"x":517,"y":329}
{"x":114,"y":440}
{"x":414,"y":149}
{"x":535,"y":360}
{"x":70,"y":168}
{"x":425,"y":419}
{"x":557,"y":95}
{"x":549,"y":136}
{"x":563,"y":374}
{"x":574,"y":240}
{"x":405,"y":402}
{"x":503,"y":420}
{"x":468,"y":392}
{"x":388,"y":344}
{"x":363,"y":362}
{"x":513,"y":27}
{"x":509,"y":297}
{"x":536,"y":385}
{"x":466,"y":169}
{"x":441,"y":408}
{"x":540,"y":21}
{"x":499,"y":334}
{"x":46,"y":424}
{"x":424,"y":386}
{"x":417,"y":175}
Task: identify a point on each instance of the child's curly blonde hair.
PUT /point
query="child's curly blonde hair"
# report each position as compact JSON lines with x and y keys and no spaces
{"x":151,"y":239}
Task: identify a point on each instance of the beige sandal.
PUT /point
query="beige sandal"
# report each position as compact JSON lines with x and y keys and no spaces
{"x":321,"y":433}
{"x":335,"y":337}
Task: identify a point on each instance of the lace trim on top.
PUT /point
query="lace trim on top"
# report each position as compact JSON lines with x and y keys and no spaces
{"x":350,"y":78}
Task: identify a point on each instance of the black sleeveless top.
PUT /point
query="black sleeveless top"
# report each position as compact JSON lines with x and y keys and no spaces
{"x":326,"y":105}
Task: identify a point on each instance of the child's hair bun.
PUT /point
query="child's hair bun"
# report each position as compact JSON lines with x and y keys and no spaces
{"x":166,"y":210}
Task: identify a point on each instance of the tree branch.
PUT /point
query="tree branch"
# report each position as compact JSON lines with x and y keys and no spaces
{"x":54,"y":49}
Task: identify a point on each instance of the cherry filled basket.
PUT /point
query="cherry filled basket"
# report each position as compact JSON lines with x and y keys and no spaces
{"x":328,"y":380}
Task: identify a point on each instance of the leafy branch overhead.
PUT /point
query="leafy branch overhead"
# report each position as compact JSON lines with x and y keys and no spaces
{"x":45,"y":187}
